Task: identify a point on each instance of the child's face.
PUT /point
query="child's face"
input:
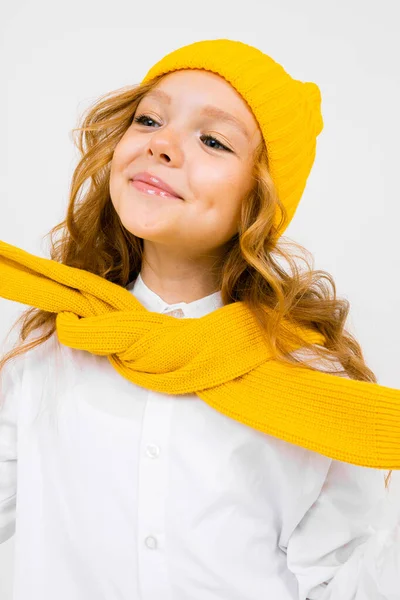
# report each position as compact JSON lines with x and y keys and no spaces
{"x":172,"y":145}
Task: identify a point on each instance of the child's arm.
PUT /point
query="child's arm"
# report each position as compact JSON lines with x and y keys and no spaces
{"x":9,"y":385}
{"x":335,"y":552}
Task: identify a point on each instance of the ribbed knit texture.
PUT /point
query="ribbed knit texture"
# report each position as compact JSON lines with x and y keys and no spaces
{"x":221,"y":357}
{"x":288,"y":111}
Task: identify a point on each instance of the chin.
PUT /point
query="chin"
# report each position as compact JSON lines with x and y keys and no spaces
{"x":152,"y":234}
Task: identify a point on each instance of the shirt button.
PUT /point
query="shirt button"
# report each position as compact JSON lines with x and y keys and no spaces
{"x":178,"y":312}
{"x":151,"y":542}
{"x":152,"y":450}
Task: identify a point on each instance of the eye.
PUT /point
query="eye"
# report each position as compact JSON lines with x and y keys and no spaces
{"x":213,"y":139}
{"x":208,"y":138}
{"x":142,"y":118}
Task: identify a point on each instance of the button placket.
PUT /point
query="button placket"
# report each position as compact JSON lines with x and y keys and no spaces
{"x":152,"y":482}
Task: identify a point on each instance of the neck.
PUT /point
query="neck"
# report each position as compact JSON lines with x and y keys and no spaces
{"x":175,"y":279}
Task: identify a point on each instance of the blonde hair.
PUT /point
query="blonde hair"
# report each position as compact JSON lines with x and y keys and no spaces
{"x":93,"y":238}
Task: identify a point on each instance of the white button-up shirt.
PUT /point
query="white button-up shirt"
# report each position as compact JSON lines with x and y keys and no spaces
{"x":116,"y":492}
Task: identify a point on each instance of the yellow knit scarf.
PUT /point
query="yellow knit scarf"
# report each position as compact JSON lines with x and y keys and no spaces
{"x":222,"y":357}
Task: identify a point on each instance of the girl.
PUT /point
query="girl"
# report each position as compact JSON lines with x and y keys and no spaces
{"x":239,"y":456}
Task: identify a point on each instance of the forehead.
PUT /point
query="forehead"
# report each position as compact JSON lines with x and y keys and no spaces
{"x":210,"y":94}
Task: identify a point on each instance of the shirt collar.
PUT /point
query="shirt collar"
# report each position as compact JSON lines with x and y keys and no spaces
{"x":154,"y":303}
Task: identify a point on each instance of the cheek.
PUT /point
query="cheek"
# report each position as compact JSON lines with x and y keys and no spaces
{"x":221,"y":186}
{"x":215,"y":180}
{"x":125,"y":152}
{"x":115,"y":163}
{"x":123,"y":156}
{"x":119,"y":157}
{"x":217,"y":205}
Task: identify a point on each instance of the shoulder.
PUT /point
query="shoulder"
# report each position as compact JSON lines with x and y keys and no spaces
{"x":32,"y":359}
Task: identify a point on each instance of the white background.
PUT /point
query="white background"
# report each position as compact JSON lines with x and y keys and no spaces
{"x":56,"y":58}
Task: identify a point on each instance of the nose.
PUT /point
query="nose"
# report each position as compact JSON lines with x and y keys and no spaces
{"x":165,"y":145}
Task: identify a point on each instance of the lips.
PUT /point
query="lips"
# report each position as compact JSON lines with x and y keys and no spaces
{"x":156,"y":182}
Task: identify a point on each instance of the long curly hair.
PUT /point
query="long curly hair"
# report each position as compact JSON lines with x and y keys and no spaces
{"x":92,"y":237}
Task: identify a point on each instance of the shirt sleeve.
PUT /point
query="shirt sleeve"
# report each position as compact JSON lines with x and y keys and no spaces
{"x":335,"y":551}
{"x":9,"y":384}
{"x":347,"y":545}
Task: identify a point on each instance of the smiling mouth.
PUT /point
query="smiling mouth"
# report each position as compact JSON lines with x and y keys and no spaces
{"x":151,"y":190}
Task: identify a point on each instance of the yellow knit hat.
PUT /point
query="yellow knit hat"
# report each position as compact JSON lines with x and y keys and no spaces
{"x":288,"y":111}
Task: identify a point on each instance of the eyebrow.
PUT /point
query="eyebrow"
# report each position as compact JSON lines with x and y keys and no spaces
{"x":209,"y":110}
